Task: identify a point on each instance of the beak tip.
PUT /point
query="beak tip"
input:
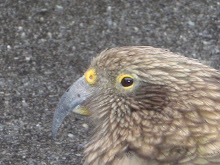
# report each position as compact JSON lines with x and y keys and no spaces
{"x":56,"y":124}
{"x":53,"y":135}
{"x":54,"y":132}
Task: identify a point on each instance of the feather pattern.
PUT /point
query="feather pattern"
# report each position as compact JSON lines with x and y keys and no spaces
{"x":171,"y":117}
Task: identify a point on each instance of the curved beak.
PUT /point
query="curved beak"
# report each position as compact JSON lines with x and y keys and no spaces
{"x":77,"y":93}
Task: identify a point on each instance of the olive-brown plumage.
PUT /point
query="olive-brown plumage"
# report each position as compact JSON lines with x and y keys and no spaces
{"x":170,"y":115}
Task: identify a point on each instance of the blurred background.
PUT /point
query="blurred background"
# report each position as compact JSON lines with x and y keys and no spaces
{"x":46,"y":45}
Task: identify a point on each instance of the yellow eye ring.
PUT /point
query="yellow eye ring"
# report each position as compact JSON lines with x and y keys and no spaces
{"x":91,"y":76}
{"x":127,"y":81}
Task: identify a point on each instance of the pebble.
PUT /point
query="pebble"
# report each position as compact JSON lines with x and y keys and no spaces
{"x":59,"y":8}
{"x":109,"y":9}
{"x":190,"y":23}
{"x":49,"y":34}
{"x":85,"y":126}
{"x":27,"y":58}
{"x":23,"y":35}
{"x":71,"y":135}
{"x":8,"y":47}
{"x":20,"y":28}
{"x":78,"y":154}
{"x":24,"y":103}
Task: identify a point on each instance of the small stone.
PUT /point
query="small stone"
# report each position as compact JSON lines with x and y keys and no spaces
{"x":73,"y":48}
{"x":109,"y":9}
{"x":136,"y":29}
{"x":190,"y":23}
{"x":206,"y":42}
{"x":8,"y":47}
{"x":43,"y":11}
{"x":71,"y":135}
{"x":41,"y":19}
{"x":42,"y":40}
{"x":20,"y":28}
{"x":23,"y":35}
{"x":78,"y":154}
{"x":72,"y":22}
{"x":81,"y":25}
{"x":85,"y":126}
{"x":1,"y":127}
{"x":27,"y":58}
{"x":24,"y":103}
{"x":59,"y":8}
{"x":109,"y":21}
{"x":49,"y":34}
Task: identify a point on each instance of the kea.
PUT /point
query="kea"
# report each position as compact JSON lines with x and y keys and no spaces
{"x":149,"y":106}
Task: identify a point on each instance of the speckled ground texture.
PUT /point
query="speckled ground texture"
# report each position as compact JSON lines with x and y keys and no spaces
{"x":46,"y":45}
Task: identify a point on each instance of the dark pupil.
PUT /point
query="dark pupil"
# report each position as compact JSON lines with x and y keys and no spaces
{"x":127,"y":81}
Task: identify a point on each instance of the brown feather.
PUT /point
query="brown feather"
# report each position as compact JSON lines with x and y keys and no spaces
{"x":172,"y":116}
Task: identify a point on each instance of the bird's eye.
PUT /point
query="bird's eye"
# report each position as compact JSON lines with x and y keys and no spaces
{"x":126,"y":81}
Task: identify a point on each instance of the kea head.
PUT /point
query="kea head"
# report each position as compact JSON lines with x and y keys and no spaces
{"x":148,"y":105}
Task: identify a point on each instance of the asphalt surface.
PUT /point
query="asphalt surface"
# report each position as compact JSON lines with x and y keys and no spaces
{"x":46,"y":45}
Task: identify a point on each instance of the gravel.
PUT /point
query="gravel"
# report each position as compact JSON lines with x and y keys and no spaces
{"x":46,"y":45}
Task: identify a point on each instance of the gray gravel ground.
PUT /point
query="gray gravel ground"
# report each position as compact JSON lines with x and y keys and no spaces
{"x":45,"y":45}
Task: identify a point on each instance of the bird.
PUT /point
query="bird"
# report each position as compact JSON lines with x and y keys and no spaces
{"x":149,"y":106}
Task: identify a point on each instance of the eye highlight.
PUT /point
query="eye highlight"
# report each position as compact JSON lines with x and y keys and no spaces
{"x":126,"y":81}
{"x":91,"y":76}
